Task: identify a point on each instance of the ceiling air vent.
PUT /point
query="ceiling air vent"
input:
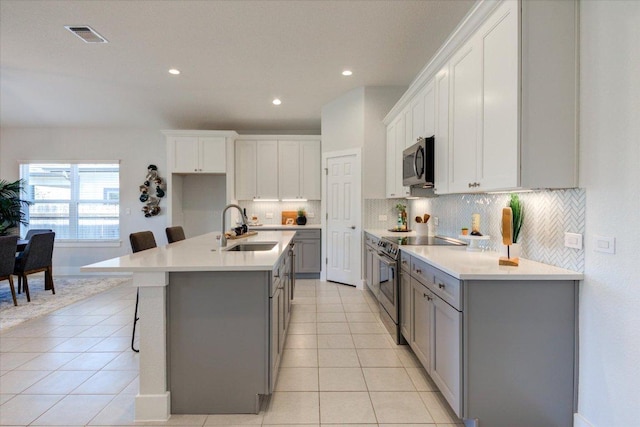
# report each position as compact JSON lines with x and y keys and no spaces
{"x":87,"y":34}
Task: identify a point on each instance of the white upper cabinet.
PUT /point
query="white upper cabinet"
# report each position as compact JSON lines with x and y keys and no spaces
{"x":484,"y":144}
{"x":503,"y":119}
{"x":499,"y":160}
{"x":266,"y":170}
{"x":396,"y":143}
{"x":198,"y":154}
{"x":441,"y":131}
{"x":464,"y":127}
{"x":256,"y":169}
{"x":299,"y":169}
{"x":278,"y":168}
{"x":423,"y":113}
{"x":246,"y":161}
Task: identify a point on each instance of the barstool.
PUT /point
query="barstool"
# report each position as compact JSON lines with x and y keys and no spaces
{"x":140,"y":241}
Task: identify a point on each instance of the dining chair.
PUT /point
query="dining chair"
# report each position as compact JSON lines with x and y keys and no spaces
{"x":140,"y":241}
{"x":175,"y":233}
{"x":8,"y":246}
{"x":33,"y":231}
{"x":36,"y":257}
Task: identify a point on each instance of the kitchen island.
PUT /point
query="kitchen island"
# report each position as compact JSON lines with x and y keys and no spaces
{"x":212,"y":322}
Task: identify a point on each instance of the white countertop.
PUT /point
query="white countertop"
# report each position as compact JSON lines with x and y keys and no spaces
{"x":284,"y":227}
{"x":465,"y":265}
{"x":201,"y":253}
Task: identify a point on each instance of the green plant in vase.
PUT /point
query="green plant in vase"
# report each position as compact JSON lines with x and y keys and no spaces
{"x":517,"y":215}
{"x":302,"y":217}
{"x":402,"y":216}
{"x":11,"y":206}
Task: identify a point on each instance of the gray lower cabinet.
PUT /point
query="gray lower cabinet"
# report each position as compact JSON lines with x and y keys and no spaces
{"x":405,"y":305}
{"x":225,"y":336}
{"x":502,"y":352}
{"x":280,"y":313}
{"x":421,"y":319}
{"x":308,"y":251}
{"x":446,"y":361}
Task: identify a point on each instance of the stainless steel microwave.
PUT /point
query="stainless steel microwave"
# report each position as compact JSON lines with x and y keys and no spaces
{"x":418,"y":166}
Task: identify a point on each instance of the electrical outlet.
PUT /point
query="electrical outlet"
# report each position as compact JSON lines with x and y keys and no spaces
{"x":269,"y":215}
{"x":604,"y":244}
{"x":435,"y":220}
{"x":573,"y":240}
{"x":127,"y":211}
{"x":311,"y":215}
{"x":382,"y":217}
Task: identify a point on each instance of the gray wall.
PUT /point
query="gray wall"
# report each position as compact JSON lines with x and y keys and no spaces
{"x":134,"y":148}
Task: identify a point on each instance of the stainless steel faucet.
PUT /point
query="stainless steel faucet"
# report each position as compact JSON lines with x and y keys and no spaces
{"x":223,"y":238}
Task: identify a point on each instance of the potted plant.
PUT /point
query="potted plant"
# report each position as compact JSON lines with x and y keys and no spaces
{"x":402,"y":216}
{"x":302,"y":217}
{"x":517,"y":216}
{"x":11,"y":206}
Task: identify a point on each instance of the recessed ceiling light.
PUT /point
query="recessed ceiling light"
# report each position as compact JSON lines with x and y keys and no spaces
{"x":276,"y":101}
{"x":174,"y":71}
{"x":347,"y":72}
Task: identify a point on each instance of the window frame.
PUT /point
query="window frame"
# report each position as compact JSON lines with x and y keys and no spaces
{"x":74,"y":202}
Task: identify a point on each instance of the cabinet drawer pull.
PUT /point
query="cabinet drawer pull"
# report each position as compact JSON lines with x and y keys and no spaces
{"x":418,"y":271}
{"x":404,"y":262}
{"x":441,"y":285}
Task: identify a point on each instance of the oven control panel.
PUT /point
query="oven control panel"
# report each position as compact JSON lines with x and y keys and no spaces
{"x":388,"y":248}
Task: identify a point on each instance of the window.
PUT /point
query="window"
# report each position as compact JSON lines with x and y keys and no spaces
{"x":78,"y":201}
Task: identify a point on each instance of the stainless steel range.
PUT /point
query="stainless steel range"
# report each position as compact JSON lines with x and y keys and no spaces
{"x":389,"y":271}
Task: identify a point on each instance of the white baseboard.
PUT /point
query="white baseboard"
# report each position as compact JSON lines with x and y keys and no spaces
{"x":580,"y":421}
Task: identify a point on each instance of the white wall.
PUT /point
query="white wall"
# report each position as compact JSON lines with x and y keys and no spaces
{"x":609,"y":372}
{"x":377,"y":103}
{"x":343,"y":122}
{"x":135,"y":149}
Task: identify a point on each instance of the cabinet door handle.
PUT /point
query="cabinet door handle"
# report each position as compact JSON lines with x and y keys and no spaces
{"x":418,"y":271}
{"x":404,"y":262}
{"x":470,"y":185}
{"x":441,"y":285}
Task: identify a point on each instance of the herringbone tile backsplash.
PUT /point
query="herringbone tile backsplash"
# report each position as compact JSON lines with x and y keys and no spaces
{"x":547,"y":216}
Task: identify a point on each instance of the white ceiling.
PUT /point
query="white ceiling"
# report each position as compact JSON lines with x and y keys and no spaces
{"x":235,"y":57}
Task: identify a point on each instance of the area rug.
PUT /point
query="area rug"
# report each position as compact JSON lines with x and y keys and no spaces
{"x":68,"y":291}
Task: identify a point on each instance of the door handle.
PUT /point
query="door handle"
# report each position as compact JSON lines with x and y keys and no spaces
{"x":353,"y":227}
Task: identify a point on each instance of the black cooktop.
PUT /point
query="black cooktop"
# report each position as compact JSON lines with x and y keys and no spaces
{"x":423,"y":241}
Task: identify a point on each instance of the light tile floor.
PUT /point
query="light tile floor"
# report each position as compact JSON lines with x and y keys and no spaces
{"x":74,"y":367}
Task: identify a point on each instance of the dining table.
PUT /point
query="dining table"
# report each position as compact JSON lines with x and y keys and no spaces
{"x":22,"y":245}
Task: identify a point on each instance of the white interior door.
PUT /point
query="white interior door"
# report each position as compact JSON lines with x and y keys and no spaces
{"x":343,"y":219}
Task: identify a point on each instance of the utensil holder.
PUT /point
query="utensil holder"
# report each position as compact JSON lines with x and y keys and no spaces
{"x":421,"y":228}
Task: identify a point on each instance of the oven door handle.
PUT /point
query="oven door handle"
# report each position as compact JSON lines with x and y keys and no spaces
{"x":383,"y":259}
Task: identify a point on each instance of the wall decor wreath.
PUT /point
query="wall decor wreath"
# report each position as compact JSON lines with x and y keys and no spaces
{"x":152,"y":191}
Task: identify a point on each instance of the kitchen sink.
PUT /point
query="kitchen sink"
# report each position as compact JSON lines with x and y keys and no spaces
{"x":252,"y":247}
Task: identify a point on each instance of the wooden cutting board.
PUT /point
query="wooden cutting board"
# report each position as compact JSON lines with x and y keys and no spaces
{"x":289,"y":215}
{"x":247,"y":234}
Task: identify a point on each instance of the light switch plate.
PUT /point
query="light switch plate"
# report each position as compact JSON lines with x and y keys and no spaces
{"x":269,"y":215}
{"x":573,"y":240}
{"x":604,"y":244}
{"x":311,"y":215}
{"x":382,"y":217}
{"x":435,"y":220}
